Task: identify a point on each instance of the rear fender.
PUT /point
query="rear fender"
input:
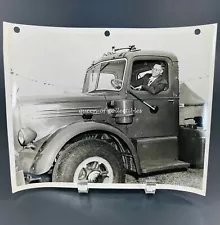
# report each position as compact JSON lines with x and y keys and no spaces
{"x":55,"y":142}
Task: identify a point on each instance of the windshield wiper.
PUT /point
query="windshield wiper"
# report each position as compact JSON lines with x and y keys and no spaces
{"x":104,"y":67}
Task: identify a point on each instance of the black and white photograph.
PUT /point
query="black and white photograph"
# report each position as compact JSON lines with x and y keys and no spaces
{"x":111,"y":107}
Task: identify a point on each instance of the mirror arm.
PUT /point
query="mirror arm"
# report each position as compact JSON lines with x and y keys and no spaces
{"x":145,"y":103}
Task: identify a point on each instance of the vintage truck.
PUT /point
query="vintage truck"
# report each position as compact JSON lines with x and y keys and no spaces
{"x":111,"y":128}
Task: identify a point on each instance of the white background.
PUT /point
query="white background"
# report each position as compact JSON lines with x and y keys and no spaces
{"x":60,"y":56}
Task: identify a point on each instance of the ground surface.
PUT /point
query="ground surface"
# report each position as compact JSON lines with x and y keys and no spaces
{"x":189,"y":178}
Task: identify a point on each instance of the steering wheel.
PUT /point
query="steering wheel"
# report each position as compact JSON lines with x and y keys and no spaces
{"x":116,"y":83}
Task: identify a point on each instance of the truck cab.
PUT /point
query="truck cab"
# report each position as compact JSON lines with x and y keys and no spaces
{"x":153,"y":132}
{"x":119,"y":124}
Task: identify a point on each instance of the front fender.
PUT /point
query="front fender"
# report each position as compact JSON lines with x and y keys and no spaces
{"x":51,"y":147}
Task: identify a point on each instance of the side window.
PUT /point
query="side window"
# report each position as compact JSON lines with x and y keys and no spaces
{"x":150,"y":76}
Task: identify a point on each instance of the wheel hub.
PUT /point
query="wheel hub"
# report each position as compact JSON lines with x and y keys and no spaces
{"x":94,"y":170}
{"x":92,"y":177}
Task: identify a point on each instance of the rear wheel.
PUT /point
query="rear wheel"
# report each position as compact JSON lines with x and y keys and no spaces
{"x":89,"y":160}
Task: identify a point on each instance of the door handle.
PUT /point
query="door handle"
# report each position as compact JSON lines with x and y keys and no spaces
{"x":171,"y":100}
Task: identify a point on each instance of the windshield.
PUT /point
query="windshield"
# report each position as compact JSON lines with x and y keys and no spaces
{"x":99,"y":77}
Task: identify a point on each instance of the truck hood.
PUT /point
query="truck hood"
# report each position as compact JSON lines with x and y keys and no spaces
{"x":57,"y":99}
{"x":47,"y":114}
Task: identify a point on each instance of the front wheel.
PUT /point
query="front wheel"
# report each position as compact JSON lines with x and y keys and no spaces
{"x":90,"y":160}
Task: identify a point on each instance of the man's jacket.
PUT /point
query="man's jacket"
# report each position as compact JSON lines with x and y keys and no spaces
{"x":158,"y":85}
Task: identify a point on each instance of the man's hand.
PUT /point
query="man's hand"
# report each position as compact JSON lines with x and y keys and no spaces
{"x":142,"y":74}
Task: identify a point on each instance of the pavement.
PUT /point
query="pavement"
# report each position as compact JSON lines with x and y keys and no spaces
{"x":189,"y":178}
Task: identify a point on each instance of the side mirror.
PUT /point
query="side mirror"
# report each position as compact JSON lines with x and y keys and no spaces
{"x":155,"y":109}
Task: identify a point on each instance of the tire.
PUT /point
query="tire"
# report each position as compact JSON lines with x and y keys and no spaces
{"x":70,"y":160}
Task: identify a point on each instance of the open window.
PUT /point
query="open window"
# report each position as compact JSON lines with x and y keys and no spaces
{"x":150,"y":76}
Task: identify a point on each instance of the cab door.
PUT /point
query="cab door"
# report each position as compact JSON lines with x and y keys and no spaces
{"x":165,"y":121}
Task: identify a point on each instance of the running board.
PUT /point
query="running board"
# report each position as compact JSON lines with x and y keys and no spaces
{"x":162,"y":165}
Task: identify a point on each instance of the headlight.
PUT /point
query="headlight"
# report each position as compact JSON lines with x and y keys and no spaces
{"x":26,"y":135}
{"x":21,"y":137}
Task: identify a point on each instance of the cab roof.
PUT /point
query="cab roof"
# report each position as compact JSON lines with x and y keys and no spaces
{"x":130,"y":53}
